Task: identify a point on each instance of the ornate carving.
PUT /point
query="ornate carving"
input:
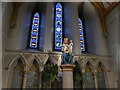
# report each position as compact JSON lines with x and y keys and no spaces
{"x":34,"y":68}
{"x":56,"y":57}
{"x":27,"y":55}
{"x":94,"y":59}
{"x":82,"y":58}
{"x":42,"y":56}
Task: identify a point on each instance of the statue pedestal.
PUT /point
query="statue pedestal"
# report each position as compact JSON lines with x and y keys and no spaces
{"x":67,"y":75}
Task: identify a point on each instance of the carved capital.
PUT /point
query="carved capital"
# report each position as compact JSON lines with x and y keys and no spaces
{"x":40,"y":71}
{"x":83,"y":73}
{"x":95,"y":74}
{"x":25,"y":72}
{"x":7,"y":68}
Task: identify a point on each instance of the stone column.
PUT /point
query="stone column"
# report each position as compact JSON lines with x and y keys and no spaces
{"x":95,"y":80}
{"x":48,"y":29}
{"x":40,"y":79}
{"x":67,"y":75}
{"x":25,"y":79}
{"x":83,"y":76}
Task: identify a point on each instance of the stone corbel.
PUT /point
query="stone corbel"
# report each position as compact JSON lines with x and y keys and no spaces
{"x":105,"y":35}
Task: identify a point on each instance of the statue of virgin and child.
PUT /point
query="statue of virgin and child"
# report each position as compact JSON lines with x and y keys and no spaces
{"x":67,"y":57}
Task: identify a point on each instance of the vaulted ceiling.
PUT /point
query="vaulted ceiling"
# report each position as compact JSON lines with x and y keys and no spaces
{"x":103,"y":8}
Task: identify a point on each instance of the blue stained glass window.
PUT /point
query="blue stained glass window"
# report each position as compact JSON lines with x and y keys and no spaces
{"x":81,"y":35}
{"x":58,"y":26}
{"x":34,"y":31}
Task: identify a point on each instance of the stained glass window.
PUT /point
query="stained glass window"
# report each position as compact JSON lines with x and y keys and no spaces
{"x":89,"y":78}
{"x":34,"y":31}
{"x":17,"y":77}
{"x":33,"y":77}
{"x":101,"y":80}
{"x":81,"y":35}
{"x":58,"y":27}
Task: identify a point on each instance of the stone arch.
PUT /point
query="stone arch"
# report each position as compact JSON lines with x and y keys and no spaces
{"x":30,"y":62}
{"x":12,"y":65}
{"x":91,"y":65}
{"x":89,"y":74}
{"x":14,"y":61}
{"x":103,"y":65}
{"x":82,"y":62}
{"x":104,"y":71}
{"x":101,"y":76}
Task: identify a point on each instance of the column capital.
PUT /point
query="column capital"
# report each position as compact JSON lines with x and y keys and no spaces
{"x":67,"y":67}
{"x":40,"y":71}
{"x":25,"y":71}
{"x":95,"y":73}
{"x":83,"y":73}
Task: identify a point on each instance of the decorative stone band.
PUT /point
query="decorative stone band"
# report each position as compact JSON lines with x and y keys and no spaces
{"x":67,"y":69}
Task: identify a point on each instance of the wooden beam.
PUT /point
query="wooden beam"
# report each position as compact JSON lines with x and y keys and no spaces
{"x":14,"y":14}
{"x":100,"y":4}
{"x":110,"y":8}
{"x":98,"y":8}
{"x":107,"y":2}
{"x":102,"y":18}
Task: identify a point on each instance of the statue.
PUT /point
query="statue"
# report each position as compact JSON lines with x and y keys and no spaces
{"x":67,"y":57}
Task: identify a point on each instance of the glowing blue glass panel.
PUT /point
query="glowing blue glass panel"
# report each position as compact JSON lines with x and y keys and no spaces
{"x":81,"y":35}
{"x":58,"y":27}
{"x":34,"y":31}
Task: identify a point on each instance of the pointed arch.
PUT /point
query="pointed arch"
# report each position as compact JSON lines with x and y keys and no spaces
{"x":81,"y":35}
{"x":17,"y":75}
{"x":100,"y":77}
{"x":14,"y":61}
{"x":58,"y":26}
{"x":36,"y":59}
{"x":34,"y":31}
{"x":90,"y":63}
{"x":89,"y":77}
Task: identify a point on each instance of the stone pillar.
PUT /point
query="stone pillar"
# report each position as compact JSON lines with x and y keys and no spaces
{"x":95,"y":80}
{"x":67,"y":75}
{"x":25,"y":79}
{"x":48,"y":31}
{"x":40,"y":79}
{"x":83,"y":76}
